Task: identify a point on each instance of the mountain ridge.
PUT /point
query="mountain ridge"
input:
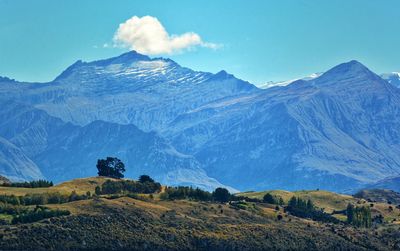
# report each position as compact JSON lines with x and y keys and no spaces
{"x":328,"y":131}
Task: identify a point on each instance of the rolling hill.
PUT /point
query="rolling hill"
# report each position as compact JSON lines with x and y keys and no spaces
{"x":149,"y":223}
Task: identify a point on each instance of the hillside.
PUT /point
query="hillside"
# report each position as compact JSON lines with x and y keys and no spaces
{"x":379,"y":195}
{"x":145,"y":222}
{"x":392,"y":183}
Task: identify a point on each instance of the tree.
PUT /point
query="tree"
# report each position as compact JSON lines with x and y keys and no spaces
{"x":359,"y":216}
{"x":268,"y":198}
{"x":145,"y":178}
{"x":97,"y":190}
{"x":221,"y":195}
{"x":292,"y":202}
{"x":350,"y":213}
{"x":310,"y":205}
{"x":111,"y":167}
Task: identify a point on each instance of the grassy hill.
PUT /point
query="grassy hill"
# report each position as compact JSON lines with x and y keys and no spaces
{"x":145,"y":222}
{"x":81,"y":186}
{"x":331,"y":202}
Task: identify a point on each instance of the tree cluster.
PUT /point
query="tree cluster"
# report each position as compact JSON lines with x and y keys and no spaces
{"x":145,"y":185}
{"x":306,"y":209}
{"x":41,"y":199}
{"x":359,"y":216}
{"x":270,"y":199}
{"x":30,"y":184}
{"x":184,"y":192}
{"x":37,"y":214}
{"x":189,"y":193}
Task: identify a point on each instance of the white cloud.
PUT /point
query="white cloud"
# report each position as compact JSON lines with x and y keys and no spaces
{"x":148,"y":36}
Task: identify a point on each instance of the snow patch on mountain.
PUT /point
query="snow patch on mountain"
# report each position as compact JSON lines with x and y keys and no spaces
{"x":270,"y":84}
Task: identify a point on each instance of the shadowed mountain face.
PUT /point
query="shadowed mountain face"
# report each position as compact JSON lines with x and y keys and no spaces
{"x":338,"y":131}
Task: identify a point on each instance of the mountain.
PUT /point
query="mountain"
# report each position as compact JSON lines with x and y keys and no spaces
{"x":334,"y":132}
{"x":132,"y":89}
{"x":393,"y":78}
{"x":337,"y":131}
{"x":392,"y":183}
{"x":37,"y":145}
{"x":270,"y":84}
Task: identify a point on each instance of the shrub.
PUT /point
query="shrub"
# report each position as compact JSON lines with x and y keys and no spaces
{"x":145,"y":178}
{"x":268,"y":198}
{"x":37,"y":214}
{"x":221,"y":195}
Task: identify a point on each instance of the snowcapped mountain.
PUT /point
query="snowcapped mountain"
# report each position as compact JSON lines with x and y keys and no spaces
{"x":132,"y":89}
{"x":393,"y":78}
{"x":336,"y":131}
{"x":270,"y":84}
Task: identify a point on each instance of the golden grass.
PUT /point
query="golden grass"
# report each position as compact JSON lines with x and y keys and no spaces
{"x":81,"y":186}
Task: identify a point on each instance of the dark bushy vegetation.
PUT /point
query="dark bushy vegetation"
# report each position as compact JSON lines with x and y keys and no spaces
{"x":41,"y":199}
{"x":306,"y":209}
{"x":359,"y":216}
{"x":30,"y":184}
{"x":111,"y":167}
{"x":145,"y":178}
{"x":244,"y":198}
{"x":270,"y":199}
{"x":128,"y":186}
{"x":182,"y":192}
{"x":189,"y":193}
{"x":221,"y":195}
{"x":38,"y":214}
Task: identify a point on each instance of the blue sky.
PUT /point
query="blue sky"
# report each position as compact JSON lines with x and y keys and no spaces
{"x":259,"y":40}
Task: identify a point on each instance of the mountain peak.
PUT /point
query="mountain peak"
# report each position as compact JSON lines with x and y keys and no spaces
{"x":125,"y":58}
{"x":350,"y":66}
{"x":5,"y":79}
{"x":348,"y":70}
{"x":221,"y":75}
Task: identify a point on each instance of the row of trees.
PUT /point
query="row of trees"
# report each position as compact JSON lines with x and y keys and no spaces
{"x":359,"y":216}
{"x":29,"y":184}
{"x":41,"y":199}
{"x":183,"y":192}
{"x":145,"y":185}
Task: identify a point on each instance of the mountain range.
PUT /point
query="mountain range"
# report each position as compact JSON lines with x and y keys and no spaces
{"x":338,"y":130}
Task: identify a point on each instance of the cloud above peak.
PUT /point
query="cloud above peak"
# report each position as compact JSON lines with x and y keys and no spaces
{"x":148,"y":36}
